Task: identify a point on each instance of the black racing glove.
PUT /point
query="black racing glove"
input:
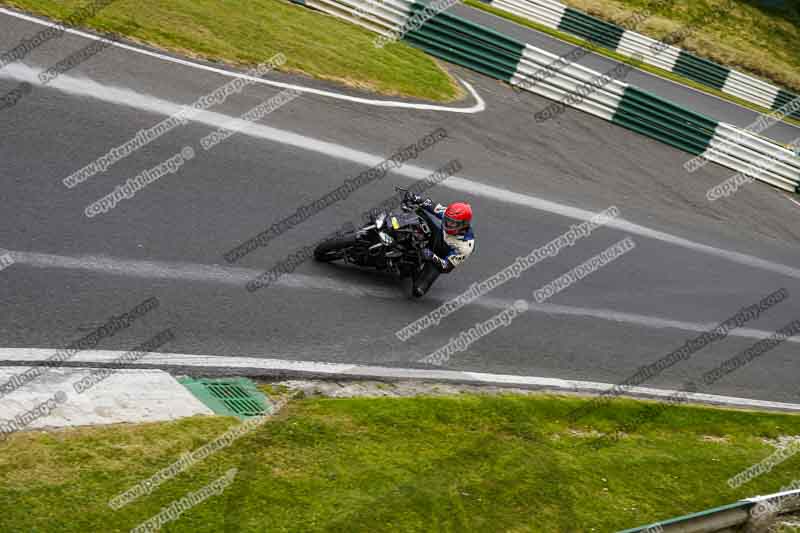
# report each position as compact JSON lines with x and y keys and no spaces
{"x":412,"y":198}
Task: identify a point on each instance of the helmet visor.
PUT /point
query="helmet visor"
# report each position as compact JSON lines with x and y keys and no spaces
{"x":452,"y":225}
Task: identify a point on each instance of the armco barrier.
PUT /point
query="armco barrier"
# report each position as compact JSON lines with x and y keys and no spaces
{"x":556,"y":15}
{"x":746,"y":516}
{"x":496,"y":55}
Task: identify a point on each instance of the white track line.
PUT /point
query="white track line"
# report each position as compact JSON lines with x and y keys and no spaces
{"x":126,"y":97}
{"x":25,"y":356}
{"x":479,"y":105}
{"x":193,"y":272}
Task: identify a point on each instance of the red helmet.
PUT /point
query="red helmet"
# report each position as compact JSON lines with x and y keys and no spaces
{"x":457,"y":218}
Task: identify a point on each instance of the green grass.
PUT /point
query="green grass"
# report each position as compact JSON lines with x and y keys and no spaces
{"x":622,"y":58}
{"x":467,"y":463}
{"x":249,"y":32}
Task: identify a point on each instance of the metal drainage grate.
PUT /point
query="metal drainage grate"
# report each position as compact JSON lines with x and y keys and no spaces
{"x":229,"y":396}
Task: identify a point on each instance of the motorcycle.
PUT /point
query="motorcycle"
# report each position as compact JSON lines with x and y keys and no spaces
{"x":392,"y":242}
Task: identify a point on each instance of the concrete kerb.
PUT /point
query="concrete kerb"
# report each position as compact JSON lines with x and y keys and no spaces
{"x":275,"y":369}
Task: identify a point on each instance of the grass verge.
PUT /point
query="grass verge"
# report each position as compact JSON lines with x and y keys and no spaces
{"x":577,"y":41}
{"x":466,"y":463}
{"x":249,"y":32}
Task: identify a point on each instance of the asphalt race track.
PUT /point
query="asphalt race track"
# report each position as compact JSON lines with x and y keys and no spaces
{"x":695,"y":263}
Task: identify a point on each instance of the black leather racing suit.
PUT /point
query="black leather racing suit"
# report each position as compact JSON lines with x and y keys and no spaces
{"x":449,"y":251}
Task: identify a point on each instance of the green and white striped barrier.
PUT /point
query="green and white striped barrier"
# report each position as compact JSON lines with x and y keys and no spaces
{"x":491,"y":53}
{"x":556,"y":15}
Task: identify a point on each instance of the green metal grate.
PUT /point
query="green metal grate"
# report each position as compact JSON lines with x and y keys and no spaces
{"x":229,"y":396}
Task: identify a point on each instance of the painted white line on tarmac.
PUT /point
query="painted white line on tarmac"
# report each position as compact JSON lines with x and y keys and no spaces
{"x":578,"y":213}
{"x":127,"y":97}
{"x":192,"y":272}
{"x":479,"y":105}
{"x":225,"y":275}
{"x":25,"y":356}
{"x":195,"y":272}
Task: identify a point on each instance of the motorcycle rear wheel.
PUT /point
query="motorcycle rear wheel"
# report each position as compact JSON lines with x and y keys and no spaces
{"x":334,"y":249}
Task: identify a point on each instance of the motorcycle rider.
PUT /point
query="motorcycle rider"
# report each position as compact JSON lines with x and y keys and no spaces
{"x":451,"y":243}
